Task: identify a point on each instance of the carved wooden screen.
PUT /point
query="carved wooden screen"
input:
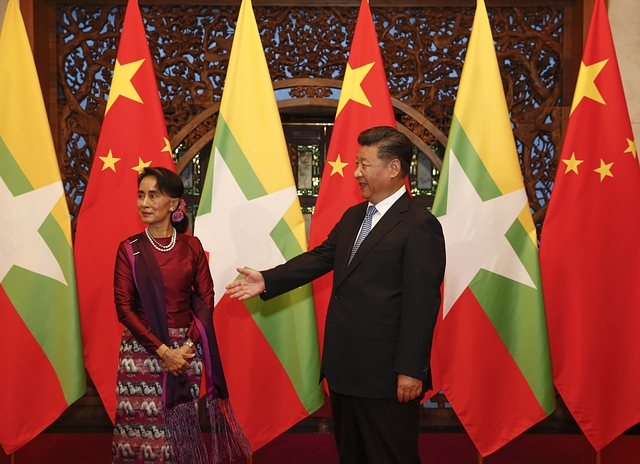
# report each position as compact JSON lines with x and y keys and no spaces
{"x":423,"y":49}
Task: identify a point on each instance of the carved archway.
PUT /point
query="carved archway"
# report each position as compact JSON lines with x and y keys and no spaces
{"x":326,"y":102}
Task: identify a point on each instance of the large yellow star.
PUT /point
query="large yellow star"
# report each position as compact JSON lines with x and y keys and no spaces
{"x":352,"y":86}
{"x":586,"y":85}
{"x":604,"y":170}
{"x":167,"y":146}
{"x":121,"y":85}
{"x":109,"y":161}
{"x":141,"y":165}
{"x":572,"y":164}
{"x":631,"y":148}
{"x":337,"y":166}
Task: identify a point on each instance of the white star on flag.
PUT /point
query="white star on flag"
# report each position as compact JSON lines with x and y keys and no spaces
{"x":474,"y":232}
{"x":239,"y":229}
{"x":22,"y":244}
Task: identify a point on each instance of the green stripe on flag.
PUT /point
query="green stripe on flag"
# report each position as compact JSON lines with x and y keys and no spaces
{"x":55,"y":311}
{"x":298,"y":320}
{"x":56,"y":240}
{"x":11,"y":173}
{"x":235,"y":158}
{"x":238,"y":164}
{"x":517,"y":313}
{"x":286,"y":241}
{"x":472,"y":165}
{"x":471,"y":162}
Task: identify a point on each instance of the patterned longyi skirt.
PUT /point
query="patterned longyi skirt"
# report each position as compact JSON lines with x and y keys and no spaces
{"x":139,"y":431}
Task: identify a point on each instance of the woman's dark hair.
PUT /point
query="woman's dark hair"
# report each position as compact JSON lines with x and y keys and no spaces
{"x":169,"y":184}
{"x":391,"y":144}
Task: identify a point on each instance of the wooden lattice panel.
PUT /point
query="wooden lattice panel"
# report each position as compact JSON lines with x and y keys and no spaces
{"x":423,"y":49}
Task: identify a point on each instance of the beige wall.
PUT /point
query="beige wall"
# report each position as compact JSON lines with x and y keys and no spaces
{"x":624,"y":16}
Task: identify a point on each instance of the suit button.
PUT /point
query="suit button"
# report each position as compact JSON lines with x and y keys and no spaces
{"x":337,"y":296}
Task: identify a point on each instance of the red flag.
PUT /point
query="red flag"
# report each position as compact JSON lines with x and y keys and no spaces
{"x":590,"y":250}
{"x":133,"y":136}
{"x":364,"y":103}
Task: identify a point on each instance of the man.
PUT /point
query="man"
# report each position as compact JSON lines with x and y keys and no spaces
{"x":384,"y":305}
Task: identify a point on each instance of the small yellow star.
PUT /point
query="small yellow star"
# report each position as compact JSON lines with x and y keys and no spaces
{"x":572,"y":164}
{"x":167,"y":146}
{"x":337,"y":166}
{"x":352,"y":86}
{"x":604,"y":170}
{"x":631,"y":148}
{"x":586,"y":85}
{"x":141,"y":165}
{"x":121,"y":85}
{"x":109,"y":161}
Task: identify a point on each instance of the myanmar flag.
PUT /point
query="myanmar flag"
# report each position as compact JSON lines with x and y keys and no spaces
{"x":491,"y":345}
{"x":364,"y":103}
{"x":590,"y":250}
{"x":249,"y":214}
{"x":43,"y":370}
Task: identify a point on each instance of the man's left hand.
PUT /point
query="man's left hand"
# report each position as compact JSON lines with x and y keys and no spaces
{"x":409,"y":388}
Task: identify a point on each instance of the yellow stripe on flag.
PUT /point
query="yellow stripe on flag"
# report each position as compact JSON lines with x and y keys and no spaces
{"x":481,"y":93}
{"x":28,"y":110}
{"x":249,"y":96}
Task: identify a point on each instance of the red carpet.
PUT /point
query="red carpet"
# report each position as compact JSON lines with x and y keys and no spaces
{"x":303,"y":448}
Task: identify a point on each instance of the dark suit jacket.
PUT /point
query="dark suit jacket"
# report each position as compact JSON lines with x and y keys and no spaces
{"x":383,"y":306}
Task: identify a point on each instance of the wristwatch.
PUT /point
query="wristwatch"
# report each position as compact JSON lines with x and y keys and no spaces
{"x":189,"y":343}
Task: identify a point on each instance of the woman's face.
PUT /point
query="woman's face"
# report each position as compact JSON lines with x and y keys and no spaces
{"x":154,"y":207}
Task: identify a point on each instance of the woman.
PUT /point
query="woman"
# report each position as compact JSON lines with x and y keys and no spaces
{"x":164,"y":297}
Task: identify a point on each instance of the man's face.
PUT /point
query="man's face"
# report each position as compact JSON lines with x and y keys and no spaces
{"x":376,"y":180}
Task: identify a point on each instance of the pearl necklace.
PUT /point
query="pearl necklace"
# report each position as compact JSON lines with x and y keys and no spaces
{"x":158,"y":246}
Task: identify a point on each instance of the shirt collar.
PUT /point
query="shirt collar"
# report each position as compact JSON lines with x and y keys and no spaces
{"x":384,"y":205}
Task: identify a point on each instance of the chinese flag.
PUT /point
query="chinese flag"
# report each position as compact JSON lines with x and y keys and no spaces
{"x":133,"y":136}
{"x":590,"y":252}
{"x":364,"y":103}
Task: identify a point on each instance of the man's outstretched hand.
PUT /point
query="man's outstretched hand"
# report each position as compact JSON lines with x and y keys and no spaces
{"x":252,"y":284}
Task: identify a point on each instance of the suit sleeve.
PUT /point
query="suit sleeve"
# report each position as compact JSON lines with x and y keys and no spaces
{"x":423,"y":271}
{"x":302,"y":269}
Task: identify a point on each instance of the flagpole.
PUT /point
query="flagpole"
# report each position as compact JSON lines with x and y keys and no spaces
{"x":598,"y":457}
{"x":13,"y":458}
{"x":480,"y":458}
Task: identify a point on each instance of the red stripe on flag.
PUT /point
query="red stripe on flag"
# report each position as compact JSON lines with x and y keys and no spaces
{"x":470,"y":361}
{"x":263,"y":410}
{"x":31,"y":397}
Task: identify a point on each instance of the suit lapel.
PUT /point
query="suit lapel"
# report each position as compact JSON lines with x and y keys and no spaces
{"x":351,"y":232}
{"x":391,"y":219}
